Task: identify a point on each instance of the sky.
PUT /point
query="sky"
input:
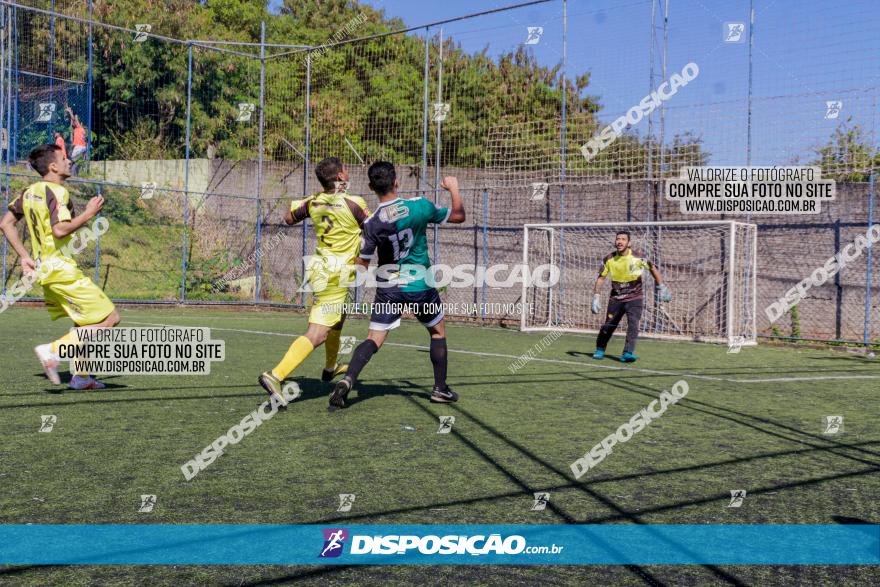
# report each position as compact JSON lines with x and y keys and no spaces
{"x":806,"y":53}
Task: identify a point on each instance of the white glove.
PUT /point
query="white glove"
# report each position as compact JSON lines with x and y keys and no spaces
{"x":665,"y":295}
{"x":596,"y":306}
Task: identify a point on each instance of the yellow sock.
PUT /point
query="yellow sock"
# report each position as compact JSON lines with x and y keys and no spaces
{"x":69,"y":338}
{"x":331,"y":348}
{"x":296,"y":354}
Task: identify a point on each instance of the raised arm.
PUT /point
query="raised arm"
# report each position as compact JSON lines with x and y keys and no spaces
{"x":62,"y":229}
{"x":456,"y":214}
{"x":74,"y":119}
{"x":299,"y":211}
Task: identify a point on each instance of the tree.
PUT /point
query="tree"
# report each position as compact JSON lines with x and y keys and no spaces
{"x":848,"y":155}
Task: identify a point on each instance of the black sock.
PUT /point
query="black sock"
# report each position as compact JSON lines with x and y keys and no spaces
{"x":359,"y":359}
{"x":438,"y":359}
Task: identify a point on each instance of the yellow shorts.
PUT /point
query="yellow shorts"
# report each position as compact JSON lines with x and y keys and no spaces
{"x":328,"y":304}
{"x":82,"y":300}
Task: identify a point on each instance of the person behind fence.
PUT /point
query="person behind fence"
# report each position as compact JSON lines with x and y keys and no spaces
{"x":52,"y":221}
{"x":337,"y":218}
{"x":59,"y":140}
{"x":627,"y":295}
{"x":80,"y":145}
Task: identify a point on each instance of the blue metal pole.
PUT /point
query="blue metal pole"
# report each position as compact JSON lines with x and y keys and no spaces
{"x":13,"y":138}
{"x":437,"y":158}
{"x":260,"y":161}
{"x":563,"y":155}
{"x":4,"y":99}
{"x":563,"y":132}
{"x":98,"y":246}
{"x":425,"y":111}
{"x":89,"y":100}
{"x":51,"y":63}
{"x":302,"y":296}
{"x":867,"y":338}
{"x":186,"y":171}
{"x":485,"y":248}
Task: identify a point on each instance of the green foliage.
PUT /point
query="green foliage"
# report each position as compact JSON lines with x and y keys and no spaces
{"x":848,"y":155}
{"x":370,"y":93}
{"x":795,"y":322}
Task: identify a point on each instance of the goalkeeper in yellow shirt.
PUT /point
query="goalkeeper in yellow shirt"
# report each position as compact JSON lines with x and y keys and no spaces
{"x":337,"y":217}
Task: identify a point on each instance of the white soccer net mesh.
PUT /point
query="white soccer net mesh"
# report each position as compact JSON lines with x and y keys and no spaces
{"x":708,"y":266}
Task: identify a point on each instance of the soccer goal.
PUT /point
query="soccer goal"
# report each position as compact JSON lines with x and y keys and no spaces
{"x":709,"y":266}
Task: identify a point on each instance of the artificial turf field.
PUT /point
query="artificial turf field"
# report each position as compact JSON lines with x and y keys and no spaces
{"x":750,"y":421}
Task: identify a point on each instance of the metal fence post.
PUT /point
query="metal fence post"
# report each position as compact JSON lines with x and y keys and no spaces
{"x":4,"y":114}
{"x":424,"y":177}
{"x":562,"y":169}
{"x":485,"y":246}
{"x":867,"y":337}
{"x":564,"y":92}
{"x":257,"y":266}
{"x":302,"y":296}
{"x":437,"y":158}
{"x":749,"y":105}
{"x":98,"y":243}
{"x":13,"y":137}
{"x":186,"y":170}
{"x":51,"y":65}
{"x":89,"y":99}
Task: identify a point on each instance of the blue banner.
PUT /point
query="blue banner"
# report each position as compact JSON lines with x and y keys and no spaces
{"x":615,"y":544}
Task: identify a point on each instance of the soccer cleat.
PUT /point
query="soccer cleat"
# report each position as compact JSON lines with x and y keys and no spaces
{"x":273,"y":387}
{"x":80,"y":382}
{"x":49,"y":361}
{"x":328,"y":375}
{"x":599,"y":354}
{"x":443,"y":396}
{"x":340,"y":392}
{"x":628,"y":357}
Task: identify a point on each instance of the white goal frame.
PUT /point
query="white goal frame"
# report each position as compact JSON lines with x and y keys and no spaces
{"x":745,"y":335}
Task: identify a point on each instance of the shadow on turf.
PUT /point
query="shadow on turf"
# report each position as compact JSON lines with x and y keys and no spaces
{"x":692,"y":404}
{"x":852,"y":357}
{"x":590,"y":355}
{"x":314,"y":389}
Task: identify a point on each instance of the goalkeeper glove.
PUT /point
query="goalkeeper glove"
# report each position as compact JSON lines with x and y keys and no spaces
{"x":665,"y":295}
{"x":595,"y":306}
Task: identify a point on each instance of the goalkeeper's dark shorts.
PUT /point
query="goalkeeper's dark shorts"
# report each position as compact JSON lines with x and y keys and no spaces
{"x":390,"y":304}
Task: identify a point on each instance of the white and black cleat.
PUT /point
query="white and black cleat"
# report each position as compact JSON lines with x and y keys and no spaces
{"x":443,"y":396}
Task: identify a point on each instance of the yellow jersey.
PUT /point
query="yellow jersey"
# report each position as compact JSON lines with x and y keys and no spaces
{"x":338,"y":219}
{"x":626,"y":274}
{"x":43,"y":205}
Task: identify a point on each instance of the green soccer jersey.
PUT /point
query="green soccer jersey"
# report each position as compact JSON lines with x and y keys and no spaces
{"x":396,"y":235}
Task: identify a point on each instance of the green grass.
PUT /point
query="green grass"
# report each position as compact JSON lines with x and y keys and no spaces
{"x":514,"y":434}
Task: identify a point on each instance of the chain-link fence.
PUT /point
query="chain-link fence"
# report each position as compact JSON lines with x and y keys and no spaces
{"x":199,"y":146}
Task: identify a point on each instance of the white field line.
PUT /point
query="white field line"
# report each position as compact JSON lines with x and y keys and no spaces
{"x":581,"y":364}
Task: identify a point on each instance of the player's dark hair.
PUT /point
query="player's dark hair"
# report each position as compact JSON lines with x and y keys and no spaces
{"x":626,"y":232}
{"x":382,"y":177}
{"x":43,"y":156}
{"x":328,"y":172}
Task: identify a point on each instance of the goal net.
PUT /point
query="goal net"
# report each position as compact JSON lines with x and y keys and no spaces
{"x":709,"y":267}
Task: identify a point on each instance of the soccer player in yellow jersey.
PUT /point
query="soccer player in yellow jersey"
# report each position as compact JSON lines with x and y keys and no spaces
{"x":338,"y":218}
{"x":627,"y":295}
{"x":51,"y":220}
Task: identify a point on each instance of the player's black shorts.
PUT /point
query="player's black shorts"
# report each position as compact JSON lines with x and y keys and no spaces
{"x":389,"y":304}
